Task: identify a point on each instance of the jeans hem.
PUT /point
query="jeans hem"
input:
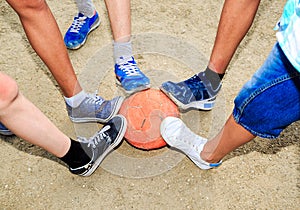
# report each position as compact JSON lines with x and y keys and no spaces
{"x":236,"y":117}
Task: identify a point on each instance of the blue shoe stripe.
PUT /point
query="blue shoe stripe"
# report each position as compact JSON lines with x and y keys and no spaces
{"x":215,"y":164}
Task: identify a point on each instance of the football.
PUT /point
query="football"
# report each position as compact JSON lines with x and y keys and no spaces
{"x":144,"y":112}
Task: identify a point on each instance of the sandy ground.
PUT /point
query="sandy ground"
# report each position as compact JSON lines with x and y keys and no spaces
{"x":172,"y":40}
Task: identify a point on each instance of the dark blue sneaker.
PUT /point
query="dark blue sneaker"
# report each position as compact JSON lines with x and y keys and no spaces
{"x":194,"y":92}
{"x":4,"y":131}
{"x":79,"y":30}
{"x":130,"y":76}
{"x":95,"y":109}
{"x":101,"y":144}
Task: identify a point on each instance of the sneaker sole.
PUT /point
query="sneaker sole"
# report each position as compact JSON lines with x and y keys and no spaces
{"x":139,"y":88}
{"x":113,"y":113}
{"x":205,"y":105}
{"x":118,"y":140}
{"x":94,"y":26}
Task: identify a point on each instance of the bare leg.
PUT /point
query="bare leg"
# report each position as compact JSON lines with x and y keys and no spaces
{"x":46,"y":39}
{"x":120,"y":20}
{"x":235,"y":21}
{"x":230,"y":137}
{"x":27,"y":121}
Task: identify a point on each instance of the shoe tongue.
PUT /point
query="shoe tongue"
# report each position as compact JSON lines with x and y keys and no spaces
{"x":123,"y":60}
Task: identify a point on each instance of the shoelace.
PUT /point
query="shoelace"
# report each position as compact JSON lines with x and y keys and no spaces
{"x":189,"y":135}
{"x":77,"y":24}
{"x":93,"y":98}
{"x":129,"y":68}
{"x":98,"y":137}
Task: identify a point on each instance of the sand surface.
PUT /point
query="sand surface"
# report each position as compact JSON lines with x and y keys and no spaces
{"x":171,"y":40}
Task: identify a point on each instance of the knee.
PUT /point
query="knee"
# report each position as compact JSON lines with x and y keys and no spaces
{"x":24,"y":8}
{"x":8,"y":91}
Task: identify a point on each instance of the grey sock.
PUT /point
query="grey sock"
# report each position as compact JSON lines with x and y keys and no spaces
{"x":122,"y":51}
{"x":86,"y":7}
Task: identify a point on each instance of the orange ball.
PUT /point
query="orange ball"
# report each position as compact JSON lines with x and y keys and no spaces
{"x":144,"y":112}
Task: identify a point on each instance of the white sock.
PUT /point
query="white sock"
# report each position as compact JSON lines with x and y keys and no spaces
{"x":86,"y":7}
{"x":122,"y":50}
{"x":75,"y":100}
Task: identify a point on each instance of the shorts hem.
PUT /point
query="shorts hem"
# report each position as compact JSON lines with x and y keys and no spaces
{"x":237,"y":117}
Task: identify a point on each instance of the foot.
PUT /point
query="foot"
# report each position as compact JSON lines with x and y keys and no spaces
{"x":99,"y":145}
{"x":130,"y":76}
{"x":4,"y":131}
{"x":79,"y":30}
{"x":95,"y":109}
{"x":194,"y":92}
{"x":177,"y":135}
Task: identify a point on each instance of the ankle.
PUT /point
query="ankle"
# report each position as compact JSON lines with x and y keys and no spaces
{"x":76,"y":155}
{"x":209,"y":157}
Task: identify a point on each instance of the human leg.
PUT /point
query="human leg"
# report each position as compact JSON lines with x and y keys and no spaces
{"x":85,"y":22}
{"x":266,"y":105}
{"x":28,"y":122}
{"x":127,"y":71}
{"x":45,"y":37}
{"x":200,"y":90}
{"x":204,"y":153}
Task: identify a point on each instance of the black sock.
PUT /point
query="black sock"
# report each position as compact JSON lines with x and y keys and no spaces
{"x":214,"y":78}
{"x":76,"y":155}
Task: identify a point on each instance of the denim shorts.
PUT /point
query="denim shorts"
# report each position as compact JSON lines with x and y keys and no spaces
{"x":270,"y":101}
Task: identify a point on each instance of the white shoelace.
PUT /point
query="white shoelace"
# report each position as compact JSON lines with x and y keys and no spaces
{"x":189,"y":138}
{"x":130,"y":69}
{"x":77,"y":24}
{"x":93,"y":98}
{"x":98,"y":137}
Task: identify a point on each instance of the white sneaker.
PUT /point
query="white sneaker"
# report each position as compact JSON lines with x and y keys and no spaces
{"x":179,"y":136}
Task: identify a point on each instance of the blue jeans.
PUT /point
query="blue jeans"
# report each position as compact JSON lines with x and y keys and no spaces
{"x":270,"y":101}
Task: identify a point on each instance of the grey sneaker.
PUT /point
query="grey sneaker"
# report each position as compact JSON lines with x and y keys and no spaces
{"x":177,"y":135}
{"x":195,"y":92}
{"x":4,"y":131}
{"x":95,"y":109}
{"x":99,"y":145}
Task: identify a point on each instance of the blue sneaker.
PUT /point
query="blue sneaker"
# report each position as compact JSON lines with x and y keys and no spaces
{"x":4,"y":131}
{"x":95,"y":109}
{"x":79,"y":30}
{"x":130,"y":76}
{"x":194,"y":92}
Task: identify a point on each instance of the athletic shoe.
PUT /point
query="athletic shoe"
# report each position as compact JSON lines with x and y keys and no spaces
{"x":79,"y":30}
{"x":194,"y":92}
{"x":130,"y":76}
{"x":99,"y":145}
{"x":95,"y":109}
{"x":4,"y":131}
{"x":177,"y":135}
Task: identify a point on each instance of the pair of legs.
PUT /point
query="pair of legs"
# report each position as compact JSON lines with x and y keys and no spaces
{"x":266,"y":105}
{"x":127,"y":72}
{"x":29,"y":123}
